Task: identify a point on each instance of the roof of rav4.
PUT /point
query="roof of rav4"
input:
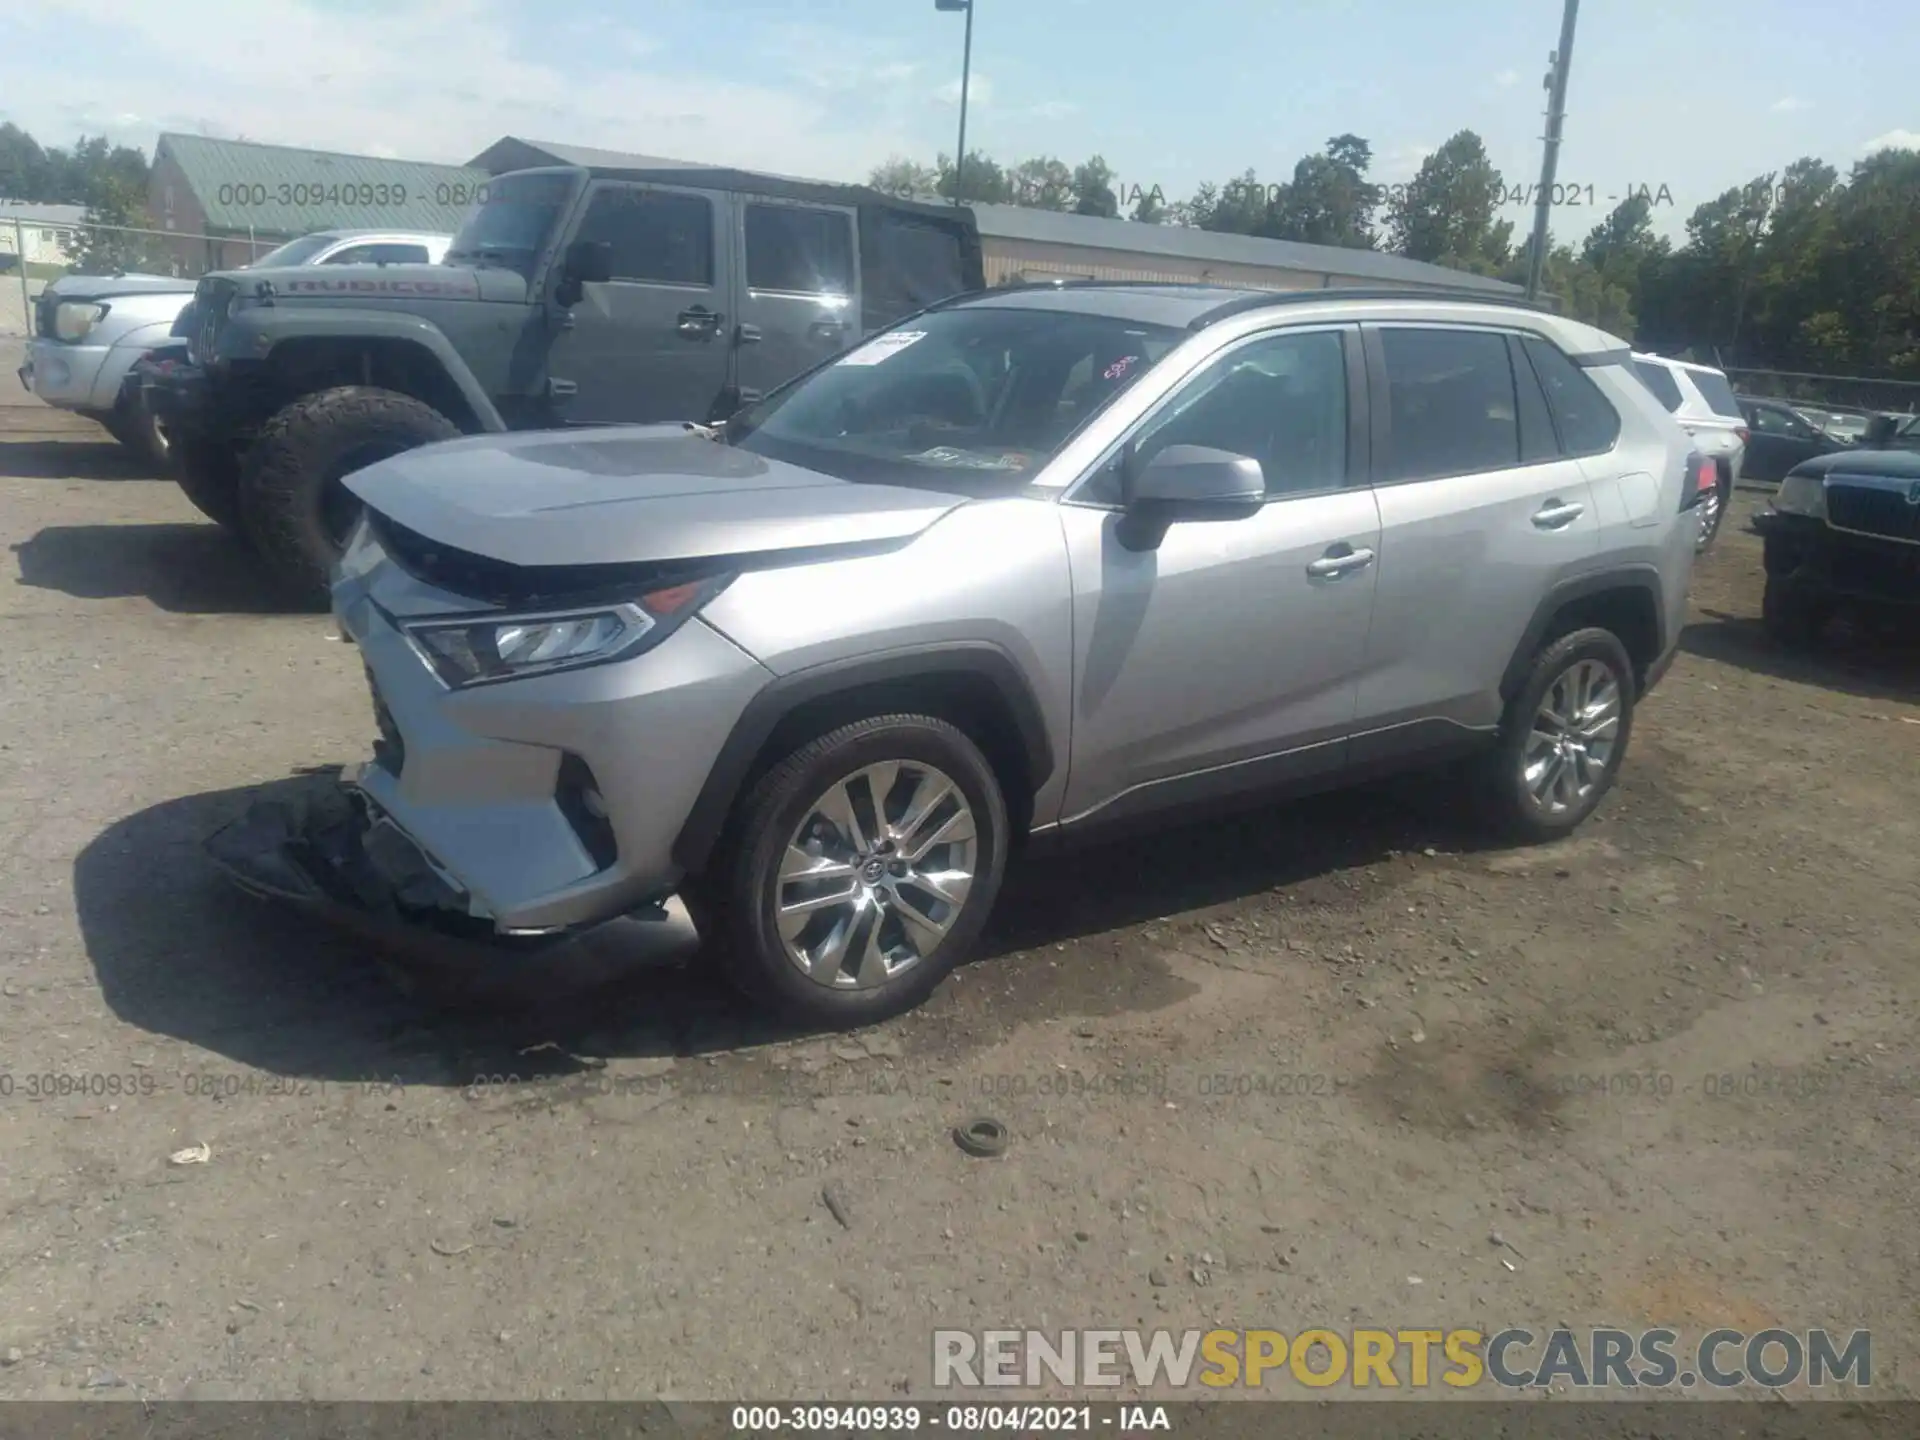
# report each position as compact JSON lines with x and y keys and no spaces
{"x":1196,"y":307}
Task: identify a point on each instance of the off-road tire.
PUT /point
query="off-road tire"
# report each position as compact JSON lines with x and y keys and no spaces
{"x":732,"y":903}
{"x":1793,"y":619}
{"x":1507,"y":805}
{"x":287,"y":479}
{"x":209,"y":473}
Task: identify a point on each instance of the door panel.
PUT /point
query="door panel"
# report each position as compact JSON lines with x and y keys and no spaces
{"x":652,"y":343}
{"x":1228,"y":656}
{"x":800,"y":298}
{"x":1465,"y":554}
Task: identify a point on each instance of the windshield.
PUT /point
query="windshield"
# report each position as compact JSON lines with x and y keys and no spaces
{"x":294,"y":252}
{"x":974,"y":394}
{"x":510,"y":223}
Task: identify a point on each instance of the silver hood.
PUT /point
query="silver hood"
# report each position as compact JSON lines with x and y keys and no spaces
{"x":630,"y":494}
{"x":101,"y":287}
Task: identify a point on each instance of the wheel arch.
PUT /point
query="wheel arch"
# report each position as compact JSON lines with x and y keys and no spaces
{"x":975,"y":686}
{"x":1628,"y":601}
{"x":401,"y":352}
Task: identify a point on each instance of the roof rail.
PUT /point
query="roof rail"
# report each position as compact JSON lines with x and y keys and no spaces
{"x":1362,"y":292}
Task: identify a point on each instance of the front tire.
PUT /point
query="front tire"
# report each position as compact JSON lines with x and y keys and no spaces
{"x":857,"y":872}
{"x":1563,"y":737}
{"x":209,"y":473}
{"x":1792,"y":618}
{"x":294,"y":508}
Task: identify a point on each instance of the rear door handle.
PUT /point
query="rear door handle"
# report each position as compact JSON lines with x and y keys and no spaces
{"x":1338,"y":561}
{"x":1557,"y":514}
{"x":748,"y":334}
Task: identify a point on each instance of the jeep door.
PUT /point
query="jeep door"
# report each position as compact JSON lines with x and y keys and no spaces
{"x":1226,"y":658}
{"x":651,"y":343}
{"x":1481,"y":512}
{"x":799,"y":292}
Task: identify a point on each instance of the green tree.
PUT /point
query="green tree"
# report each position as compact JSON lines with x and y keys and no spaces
{"x":1042,"y":183}
{"x":1445,"y":215}
{"x":1238,"y":208}
{"x":1329,"y":200}
{"x":985,"y":183}
{"x":898,"y":175}
{"x":1093,"y":189}
{"x":1148,"y":210}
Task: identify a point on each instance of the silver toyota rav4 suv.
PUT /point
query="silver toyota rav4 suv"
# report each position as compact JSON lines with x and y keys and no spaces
{"x":1036,"y":564}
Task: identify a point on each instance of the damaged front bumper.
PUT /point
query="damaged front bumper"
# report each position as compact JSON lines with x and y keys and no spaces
{"x":327,"y":848}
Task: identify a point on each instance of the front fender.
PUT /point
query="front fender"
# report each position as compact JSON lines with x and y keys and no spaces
{"x":253,"y":335}
{"x":123,"y":355}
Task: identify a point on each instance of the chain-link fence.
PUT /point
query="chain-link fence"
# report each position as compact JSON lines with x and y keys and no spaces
{"x":1842,"y":392}
{"x":36,"y":252}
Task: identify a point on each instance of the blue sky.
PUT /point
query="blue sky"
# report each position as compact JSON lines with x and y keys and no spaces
{"x":1695,"y":96}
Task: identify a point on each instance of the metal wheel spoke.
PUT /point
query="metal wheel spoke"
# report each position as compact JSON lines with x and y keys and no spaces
{"x":880,"y":779}
{"x":837,"y":809}
{"x":844,"y":895}
{"x":927,"y":795}
{"x":955,"y":828}
{"x":824,"y":961}
{"x":801,"y":864}
{"x":871,"y":967}
{"x":951,"y":886}
{"x":926,"y":931}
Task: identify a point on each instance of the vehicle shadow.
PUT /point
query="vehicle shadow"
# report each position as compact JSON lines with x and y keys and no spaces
{"x":73,"y":459}
{"x":1851,"y":660}
{"x":186,"y":568}
{"x":179,"y":952}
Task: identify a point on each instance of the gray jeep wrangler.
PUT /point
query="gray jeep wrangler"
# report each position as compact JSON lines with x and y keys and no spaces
{"x":570,"y":296}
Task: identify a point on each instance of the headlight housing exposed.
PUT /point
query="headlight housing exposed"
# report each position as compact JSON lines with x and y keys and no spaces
{"x":1802,"y":495}
{"x":476,"y":650}
{"x":73,"y":320}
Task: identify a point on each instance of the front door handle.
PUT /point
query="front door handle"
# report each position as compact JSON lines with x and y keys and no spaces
{"x":1338,"y":561}
{"x":699,"y":323}
{"x":1557,"y":514}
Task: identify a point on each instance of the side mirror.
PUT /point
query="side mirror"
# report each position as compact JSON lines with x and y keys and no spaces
{"x":589,"y":262}
{"x":1187,"y":482}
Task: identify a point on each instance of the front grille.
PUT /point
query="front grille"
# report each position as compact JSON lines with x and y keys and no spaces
{"x":390,"y":750}
{"x":209,"y":304}
{"x":1871,"y":510}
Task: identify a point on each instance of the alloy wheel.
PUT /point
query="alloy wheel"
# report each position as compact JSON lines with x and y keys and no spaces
{"x":875,"y":874}
{"x":1709,"y":512}
{"x":1573,"y":739}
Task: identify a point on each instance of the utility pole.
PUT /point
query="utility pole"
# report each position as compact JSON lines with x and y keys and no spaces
{"x":1556,"y":85}
{"x":966,"y":86}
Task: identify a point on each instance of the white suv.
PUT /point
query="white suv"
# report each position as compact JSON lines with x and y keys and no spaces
{"x":1699,"y":397}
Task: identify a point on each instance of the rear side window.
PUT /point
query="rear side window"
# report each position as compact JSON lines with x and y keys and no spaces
{"x":661,"y":236}
{"x":1714,"y":389}
{"x":1587,"y":422}
{"x":1451,"y":398}
{"x":1660,"y":381}
{"x":799,"y":251}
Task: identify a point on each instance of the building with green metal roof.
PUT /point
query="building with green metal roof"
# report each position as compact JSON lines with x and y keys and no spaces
{"x":244,"y":198}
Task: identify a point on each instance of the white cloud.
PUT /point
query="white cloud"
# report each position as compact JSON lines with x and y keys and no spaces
{"x":1787,"y":104}
{"x":1893,"y":140}
{"x":1401,"y":162}
{"x":447,"y":78}
{"x":1051,"y":109}
{"x":979,"y":91}
{"x":1507,"y":78}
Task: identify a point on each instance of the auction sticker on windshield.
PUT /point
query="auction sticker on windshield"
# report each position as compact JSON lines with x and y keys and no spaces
{"x":882,"y":346}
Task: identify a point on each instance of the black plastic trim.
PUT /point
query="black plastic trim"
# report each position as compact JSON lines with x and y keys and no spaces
{"x":1632,"y":577}
{"x":781,"y":697}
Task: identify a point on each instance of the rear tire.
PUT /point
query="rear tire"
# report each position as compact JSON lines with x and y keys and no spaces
{"x":209,"y":473}
{"x":1546,"y":776}
{"x":899,"y":958}
{"x":1713,"y":507}
{"x":294,"y":508}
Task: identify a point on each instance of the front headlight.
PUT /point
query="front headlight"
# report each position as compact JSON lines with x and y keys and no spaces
{"x":474,"y":651}
{"x":73,"y":319}
{"x":1802,"y":495}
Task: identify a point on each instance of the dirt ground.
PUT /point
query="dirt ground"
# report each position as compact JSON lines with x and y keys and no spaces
{"x":1292,"y":1069}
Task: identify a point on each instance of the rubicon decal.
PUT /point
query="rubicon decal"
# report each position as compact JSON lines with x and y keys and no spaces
{"x":360,"y":285}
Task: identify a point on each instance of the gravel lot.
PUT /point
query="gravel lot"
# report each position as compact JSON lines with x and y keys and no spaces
{"x":640,"y":1211}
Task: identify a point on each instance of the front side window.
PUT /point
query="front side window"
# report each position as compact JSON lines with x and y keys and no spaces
{"x":1587,"y":422}
{"x":1451,"y":400}
{"x":510,"y":225}
{"x":661,"y":237}
{"x":799,"y":251}
{"x":1769,"y":421}
{"x":972,"y":397}
{"x":1280,"y":400}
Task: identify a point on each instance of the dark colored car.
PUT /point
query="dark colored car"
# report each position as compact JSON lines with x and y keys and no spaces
{"x":1843,"y":534}
{"x":1779,"y":438}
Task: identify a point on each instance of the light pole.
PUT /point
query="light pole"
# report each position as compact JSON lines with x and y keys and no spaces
{"x":966,"y":85}
{"x":1556,"y":117}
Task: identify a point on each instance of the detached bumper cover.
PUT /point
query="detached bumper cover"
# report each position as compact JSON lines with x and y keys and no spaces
{"x":325,"y":847}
